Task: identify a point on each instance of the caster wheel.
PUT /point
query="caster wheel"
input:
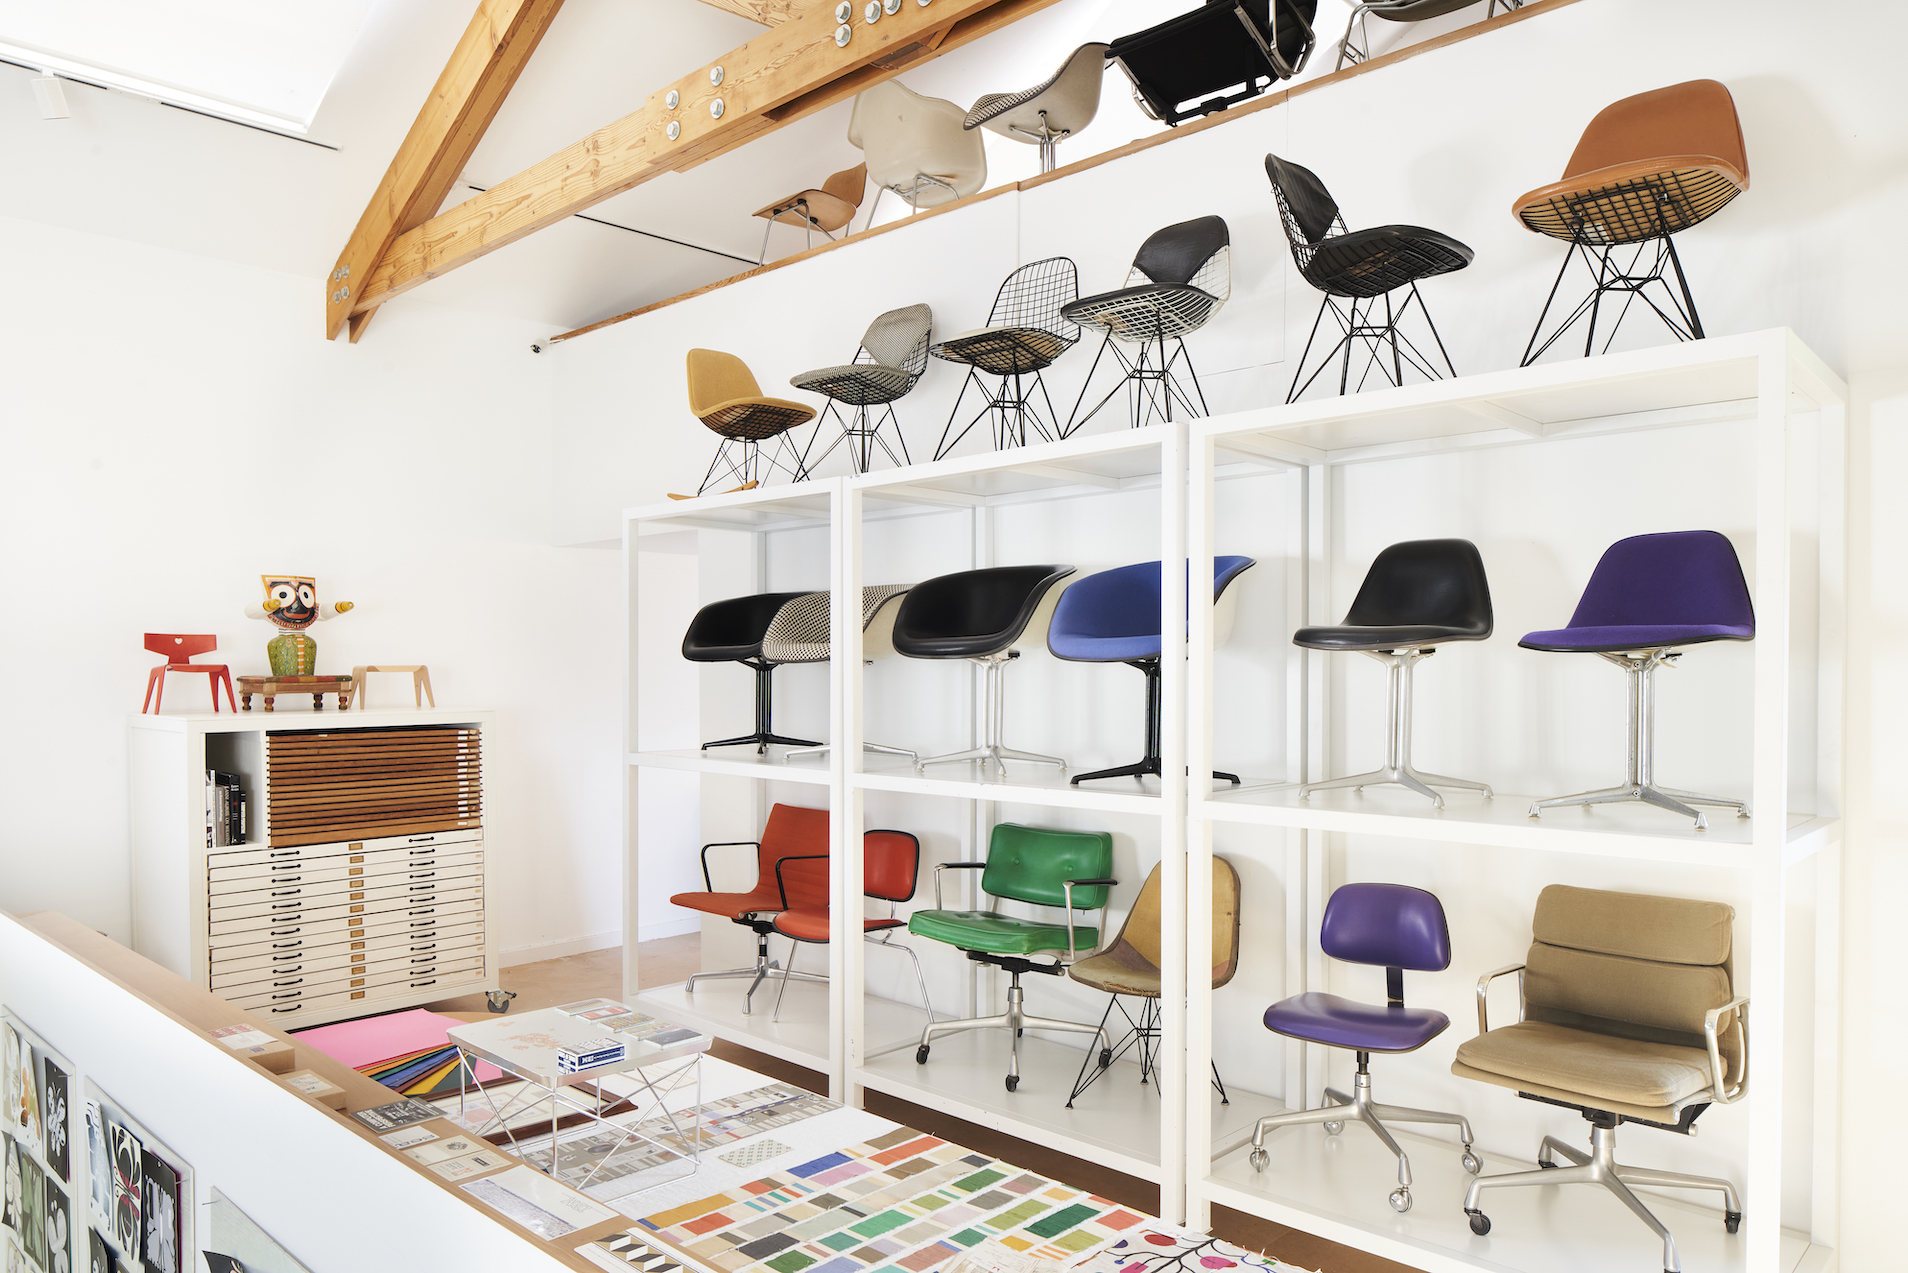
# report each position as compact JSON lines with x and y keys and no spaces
{"x":1106,"y":1057}
{"x":1013,"y":1082}
{"x":920,"y":1056}
{"x":1401,"y":1200}
{"x":1480,"y":1223}
{"x":1334,"y":1127}
{"x":1259,"y":1159}
{"x":1546,"y":1164}
{"x":1472,"y":1163}
{"x":1732,"y":1220}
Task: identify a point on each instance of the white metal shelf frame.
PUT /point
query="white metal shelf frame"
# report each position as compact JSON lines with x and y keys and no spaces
{"x":1765,"y":380}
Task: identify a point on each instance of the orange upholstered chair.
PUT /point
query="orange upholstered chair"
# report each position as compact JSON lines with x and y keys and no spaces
{"x":890,"y":864}
{"x":179,"y":649}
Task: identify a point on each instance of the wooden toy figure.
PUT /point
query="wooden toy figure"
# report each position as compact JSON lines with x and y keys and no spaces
{"x":291,"y":602}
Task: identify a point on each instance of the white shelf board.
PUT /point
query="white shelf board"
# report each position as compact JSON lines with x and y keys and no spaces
{"x":765,"y":508}
{"x":1114,"y":1122}
{"x":738,"y":762}
{"x":1616,"y":830}
{"x":1023,"y":783}
{"x":800,"y":1037}
{"x":304,"y":718}
{"x":1336,"y":1187}
{"x":1122,"y":460}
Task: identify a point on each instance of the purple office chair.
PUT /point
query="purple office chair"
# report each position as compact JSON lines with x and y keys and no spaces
{"x":1395,"y":927}
{"x":1648,"y":594}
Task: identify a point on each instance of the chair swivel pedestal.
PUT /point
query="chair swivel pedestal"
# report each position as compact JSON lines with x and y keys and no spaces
{"x":1398,"y":770}
{"x":799,"y":633}
{"x":732,"y":631}
{"x":993,"y":725}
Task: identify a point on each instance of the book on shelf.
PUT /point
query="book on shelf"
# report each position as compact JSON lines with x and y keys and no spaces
{"x":225,"y":808}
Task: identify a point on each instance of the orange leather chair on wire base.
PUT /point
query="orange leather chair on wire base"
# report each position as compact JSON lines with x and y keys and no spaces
{"x":1648,"y":167}
{"x":179,"y":649}
{"x":890,"y":864}
{"x":724,"y":396}
{"x":792,"y":832}
{"x":828,"y":209}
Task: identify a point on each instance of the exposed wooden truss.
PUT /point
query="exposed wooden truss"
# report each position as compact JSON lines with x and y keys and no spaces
{"x":767,"y":12}
{"x":787,"y":73}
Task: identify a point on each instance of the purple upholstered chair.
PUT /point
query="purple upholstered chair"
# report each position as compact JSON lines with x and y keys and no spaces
{"x":1648,"y":594}
{"x":1394,"y":927}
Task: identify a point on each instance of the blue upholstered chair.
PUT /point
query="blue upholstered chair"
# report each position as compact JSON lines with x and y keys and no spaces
{"x":1113,"y":617}
{"x":1648,"y":594}
{"x":1394,"y":927}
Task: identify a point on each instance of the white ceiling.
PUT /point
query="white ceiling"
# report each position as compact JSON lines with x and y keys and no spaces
{"x":134,"y":169}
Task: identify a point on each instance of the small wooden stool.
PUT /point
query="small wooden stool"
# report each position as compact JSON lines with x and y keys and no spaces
{"x":420,"y":682}
{"x":316,"y":686}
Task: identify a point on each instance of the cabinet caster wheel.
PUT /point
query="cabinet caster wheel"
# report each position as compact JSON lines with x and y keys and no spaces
{"x":1259,"y":1159}
{"x":1013,"y":1081}
{"x":1106,"y":1057}
{"x":1472,"y":1163}
{"x":1546,"y":1164}
{"x":1732,"y":1220}
{"x":1334,"y":1127}
{"x":1401,"y":1200}
{"x":1480,"y":1223}
{"x":920,"y":1056}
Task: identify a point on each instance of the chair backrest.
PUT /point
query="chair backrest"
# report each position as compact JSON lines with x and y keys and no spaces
{"x":1695,"y":120}
{"x":1308,"y":210}
{"x":799,"y":633}
{"x":716,"y":378}
{"x":1632,"y":965}
{"x":1123,"y":601}
{"x":1196,"y":252}
{"x":1064,"y":104}
{"x":1437,"y":582}
{"x":1386,"y":925}
{"x":907,"y":137}
{"x":1677,"y":577}
{"x":734,"y":628}
{"x":890,"y":864}
{"x":1034,"y":295}
{"x":795,"y":831}
{"x":848,"y":185}
{"x":179,"y":647}
{"x":1186,"y":65}
{"x":899,"y":339}
{"x":972,"y":612}
{"x":1029,"y":864}
{"x":1140,"y":931}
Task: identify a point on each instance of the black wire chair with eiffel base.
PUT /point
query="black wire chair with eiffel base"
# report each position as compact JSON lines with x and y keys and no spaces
{"x":1647,"y":168}
{"x":1026,"y":330}
{"x":1359,"y":271}
{"x":732,"y":631}
{"x":1130,"y":967}
{"x":724,"y":396}
{"x":1179,"y":279}
{"x":892,"y":356}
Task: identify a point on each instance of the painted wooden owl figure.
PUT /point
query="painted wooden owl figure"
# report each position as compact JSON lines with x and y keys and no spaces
{"x":291,"y":603}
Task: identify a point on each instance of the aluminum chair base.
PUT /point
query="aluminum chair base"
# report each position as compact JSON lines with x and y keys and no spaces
{"x":1398,"y":770}
{"x":1361,"y":329}
{"x":1632,"y":280}
{"x":873,"y":940}
{"x":1600,"y":1167}
{"x":862,"y":438}
{"x":1143,"y":1034}
{"x":1151,"y":763}
{"x":1640,"y":786}
{"x":764,"y":969}
{"x":1360,"y":1108}
{"x":992,"y":749}
{"x":1014,"y":1020}
{"x":822,"y":749}
{"x":1153,"y":386}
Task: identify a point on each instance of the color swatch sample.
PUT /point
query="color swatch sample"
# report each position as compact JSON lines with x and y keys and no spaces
{"x":1164,"y":1248}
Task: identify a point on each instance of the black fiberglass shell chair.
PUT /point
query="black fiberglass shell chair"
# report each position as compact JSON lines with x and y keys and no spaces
{"x":892,"y":356}
{"x":978,"y":615}
{"x":1218,"y":55}
{"x":1179,"y":279}
{"x":1026,"y":330}
{"x":1417,"y":595}
{"x":731,"y":631}
{"x":1358,"y":270}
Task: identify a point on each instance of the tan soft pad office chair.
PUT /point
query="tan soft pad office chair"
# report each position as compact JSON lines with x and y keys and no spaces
{"x":916,"y":146}
{"x":1630,"y":1016}
{"x":724,"y":396}
{"x":828,"y":209}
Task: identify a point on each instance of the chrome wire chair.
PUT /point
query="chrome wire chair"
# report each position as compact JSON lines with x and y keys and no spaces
{"x":1356,"y":270}
{"x":1355,"y":47}
{"x":1026,"y":330}
{"x":892,"y":356}
{"x":1179,"y":280}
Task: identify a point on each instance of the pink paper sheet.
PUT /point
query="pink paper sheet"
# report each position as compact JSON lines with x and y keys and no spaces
{"x":361,"y":1043}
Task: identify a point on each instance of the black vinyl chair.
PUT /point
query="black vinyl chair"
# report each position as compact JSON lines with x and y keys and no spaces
{"x":1417,"y":595}
{"x":892,"y":356}
{"x":1218,"y":55}
{"x":1026,"y":330}
{"x":977,"y":615}
{"x":731,"y":631}
{"x":1360,"y":268}
{"x":1179,"y":279}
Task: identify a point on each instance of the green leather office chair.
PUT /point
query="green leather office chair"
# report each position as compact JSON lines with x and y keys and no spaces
{"x":1039,"y":867}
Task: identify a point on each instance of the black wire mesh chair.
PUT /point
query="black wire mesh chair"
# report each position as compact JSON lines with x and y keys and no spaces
{"x":892,"y":356}
{"x":1179,"y":279}
{"x":1357,"y":269}
{"x":1218,"y":55}
{"x":1026,"y":330}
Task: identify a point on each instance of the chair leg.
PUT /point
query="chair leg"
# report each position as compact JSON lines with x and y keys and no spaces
{"x":159,"y":700}
{"x":152,"y":679}
{"x":992,"y":750}
{"x":1398,"y":770}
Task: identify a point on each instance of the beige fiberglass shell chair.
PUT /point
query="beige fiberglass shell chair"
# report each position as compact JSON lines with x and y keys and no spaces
{"x":1629,"y":1015}
{"x":918,"y":147}
{"x":799,"y":634}
{"x":893,"y":354}
{"x":1059,"y":107}
{"x":828,"y":209}
{"x":724,"y":396}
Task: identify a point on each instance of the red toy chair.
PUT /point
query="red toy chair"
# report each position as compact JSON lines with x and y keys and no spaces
{"x":179,"y":650}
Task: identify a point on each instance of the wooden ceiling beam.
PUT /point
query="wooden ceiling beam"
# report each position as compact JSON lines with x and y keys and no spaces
{"x":767,"y":12}
{"x":787,"y":73}
{"x":493,"y":51}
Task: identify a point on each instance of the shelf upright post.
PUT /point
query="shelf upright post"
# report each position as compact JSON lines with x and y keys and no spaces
{"x":1197,"y":482}
{"x":1181,"y":913}
{"x":845,"y":946}
{"x":1306,"y":851}
{"x":632,"y":776}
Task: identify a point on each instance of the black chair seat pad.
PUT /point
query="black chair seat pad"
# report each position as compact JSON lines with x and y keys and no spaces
{"x":1004,"y":351}
{"x":727,"y":631}
{"x":1372,"y":262}
{"x":859,"y":384}
{"x":1407,"y":636}
{"x":1150,"y":311}
{"x":757,"y":419}
{"x":972,"y":614}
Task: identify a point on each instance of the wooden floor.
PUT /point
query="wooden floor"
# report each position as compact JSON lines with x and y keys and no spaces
{"x":555,"y":981}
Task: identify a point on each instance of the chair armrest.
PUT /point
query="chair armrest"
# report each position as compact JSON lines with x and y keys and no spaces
{"x":1483,"y":989}
{"x":1716,"y":1076}
{"x":781,"y":885}
{"x":1066,"y":888}
{"x":950,"y":866}
{"x":707,"y":884}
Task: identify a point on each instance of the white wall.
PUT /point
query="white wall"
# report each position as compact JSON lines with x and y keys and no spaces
{"x":174,"y":426}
